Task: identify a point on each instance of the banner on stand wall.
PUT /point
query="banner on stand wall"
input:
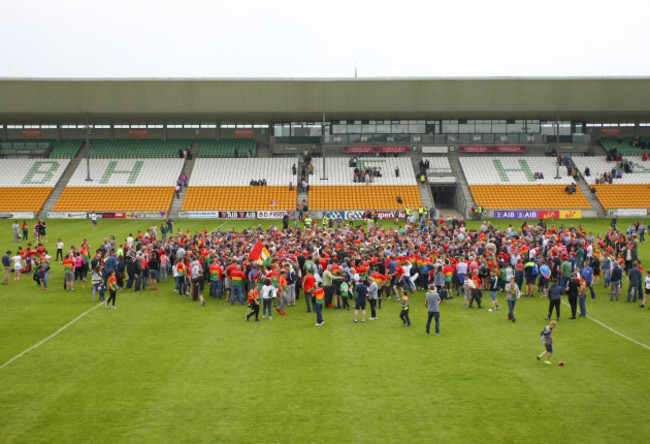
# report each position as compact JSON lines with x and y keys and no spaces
{"x":146,"y":215}
{"x":492,"y":149}
{"x":515,"y":214}
{"x":237,"y":214}
{"x":67,"y":215}
{"x":537,"y":214}
{"x":629,"y":212}
{"x":391,"y":214}
{"x":275,"y":214}
{"x":198,"y":214}
{"x":18,"y":215}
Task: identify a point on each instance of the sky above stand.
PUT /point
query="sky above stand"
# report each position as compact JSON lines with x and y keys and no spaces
{"x":332,"y":39}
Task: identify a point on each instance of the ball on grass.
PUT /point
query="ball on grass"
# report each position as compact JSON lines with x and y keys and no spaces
{"x":561,"y":363}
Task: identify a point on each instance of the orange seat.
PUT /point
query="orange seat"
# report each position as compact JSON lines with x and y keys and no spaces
{"x":363,"y":197}
{"x":528,"y":197}
{"x":623,"y":196}
{"x":246,"y":198}
{"x":115,"y":199}
{"x":23,"y":198}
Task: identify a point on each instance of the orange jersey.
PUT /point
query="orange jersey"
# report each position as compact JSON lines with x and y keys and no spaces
{"x":319,"y":294}
{"x":308,"y":283}
{"x":68,"y":265}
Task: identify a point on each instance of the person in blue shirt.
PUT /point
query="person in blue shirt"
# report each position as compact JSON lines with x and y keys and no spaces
{"x":616,"y":278}
{"x":544,"y":277}
{"x":588,"y":275}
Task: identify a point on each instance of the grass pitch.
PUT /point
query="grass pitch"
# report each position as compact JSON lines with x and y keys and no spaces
{"x":162,"y":369}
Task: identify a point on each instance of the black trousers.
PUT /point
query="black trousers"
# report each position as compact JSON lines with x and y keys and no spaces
{"x":329,"y":292}
{"x":556,"y":304}
{"x":373,"y":308}
{"x":404,"y":316}
{"x":111,"y":297}
{"x":256,"y":311}
{"x":476,"y":295}
{"x":573,"y":302}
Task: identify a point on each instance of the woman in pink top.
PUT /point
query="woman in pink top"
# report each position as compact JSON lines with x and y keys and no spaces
{"x":164,"y":263}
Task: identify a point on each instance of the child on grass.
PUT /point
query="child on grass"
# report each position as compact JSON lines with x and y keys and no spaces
{"x":345,"y":293}
{"x":404,"y":314}
{"x":547,"y":340}
{"x":253,"y":304}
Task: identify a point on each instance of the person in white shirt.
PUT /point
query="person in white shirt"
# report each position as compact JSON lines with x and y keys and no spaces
{"x":197,"y":281}
{"x":59,"y":249}
{"x":129,"y":240}
{"x":16,"y":228}
{"x":18,"y":265}
{"x":268,"y":293}
{"x":175,"y":275}
{"x":93,"y":217}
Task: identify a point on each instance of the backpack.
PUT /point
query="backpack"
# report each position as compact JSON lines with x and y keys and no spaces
{"x":534,"y":271}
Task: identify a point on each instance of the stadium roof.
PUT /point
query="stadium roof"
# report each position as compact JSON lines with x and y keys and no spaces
{"x":282,"y":100}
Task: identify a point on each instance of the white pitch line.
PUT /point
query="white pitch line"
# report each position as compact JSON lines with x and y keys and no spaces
{"x":224,"y":223}
{"x":614,"y":331}
{"x":49,"y":337}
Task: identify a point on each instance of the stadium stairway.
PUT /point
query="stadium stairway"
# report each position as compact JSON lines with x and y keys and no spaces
{"x":593,"y":200}
{"x":457,"y":171}
{"x":302,"y":196}
{"x":177,"y":203}
{"x":63,"y":182}
{"x":425,"y":188}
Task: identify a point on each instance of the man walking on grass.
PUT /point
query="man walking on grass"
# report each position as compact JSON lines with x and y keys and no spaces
{"x":6,"y":262}
{"x":547,"y":339}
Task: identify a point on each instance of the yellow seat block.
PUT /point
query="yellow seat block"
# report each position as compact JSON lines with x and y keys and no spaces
{"x":363,"y":197}
{"x":23,"y":198}
{"x":527,"y":197}
{"x":623,"y":196}
{"x":111,"y":199}
{"x":246,"y":198}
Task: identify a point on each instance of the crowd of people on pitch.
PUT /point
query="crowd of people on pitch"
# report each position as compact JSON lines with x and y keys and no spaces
{"x":360,"y":266}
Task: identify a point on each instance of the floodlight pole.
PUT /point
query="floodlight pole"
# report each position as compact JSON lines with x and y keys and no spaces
{"x":557,"y":146}
{"x":88,"y":179}
{"x":322,"y":146}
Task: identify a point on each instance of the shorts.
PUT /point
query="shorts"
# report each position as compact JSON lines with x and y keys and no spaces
{"x":69,"y":276}
{"x":647,"y":291}
{"x":549,"y":348}
{"x":493,"y":295}
{"x":360,"y":304}
{"x":153,"y":274}
{"x":227,"y":283}
{"x":530,"y":280}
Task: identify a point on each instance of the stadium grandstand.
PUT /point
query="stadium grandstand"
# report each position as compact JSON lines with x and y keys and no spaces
{"x":575,"y":147}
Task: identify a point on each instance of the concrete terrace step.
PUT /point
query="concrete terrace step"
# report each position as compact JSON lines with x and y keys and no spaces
{"x":457,"y":171}
{"x":60,"y":186}
{"x":177,"y":202}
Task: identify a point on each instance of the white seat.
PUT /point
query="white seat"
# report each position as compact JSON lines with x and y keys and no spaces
{"x":152,"y":173}
{"x":31,"y":172}
{"x":482,"y":170}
